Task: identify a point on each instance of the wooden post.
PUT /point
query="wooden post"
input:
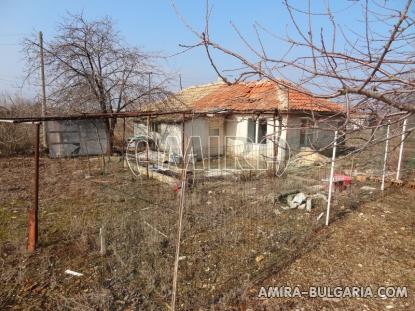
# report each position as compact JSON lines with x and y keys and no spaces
{"x":109,"y":138}
{"x":42,"y":89}
{"x":183,"y":124}
{"x":180,"y":221}
{"x":333,"y":159}
{"x":32,"y":241}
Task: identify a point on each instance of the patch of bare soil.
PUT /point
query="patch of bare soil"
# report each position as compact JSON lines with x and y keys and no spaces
{"x":374,"y":247}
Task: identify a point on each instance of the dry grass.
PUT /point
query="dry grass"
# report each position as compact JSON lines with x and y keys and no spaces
{"x":234,"y":236}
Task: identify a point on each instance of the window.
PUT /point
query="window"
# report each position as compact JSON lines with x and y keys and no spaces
{"x":253,"y":127}
{"x":251,"y":131}
{"x":306,"y":133}
{"x":262,"y":132}
{"x":154,"y":126}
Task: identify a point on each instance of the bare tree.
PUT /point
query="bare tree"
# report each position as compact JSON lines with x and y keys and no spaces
{"x":89,"y":69}
{"x":16,"y":139}
{"x":370,"y":66}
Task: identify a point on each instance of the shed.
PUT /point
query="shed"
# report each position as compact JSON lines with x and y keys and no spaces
{"x":69,"y":138}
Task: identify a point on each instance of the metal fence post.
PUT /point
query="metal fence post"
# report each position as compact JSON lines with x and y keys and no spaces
{"x":333,"y":159}
{"x":398,"y":171}
{"x":32,"y":241}
{"x":382,"y":187}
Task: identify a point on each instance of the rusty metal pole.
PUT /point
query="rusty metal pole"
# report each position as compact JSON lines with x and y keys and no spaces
{"x":147,"y":147}
{"x":123,"y":143}
{"x":33,"y":211}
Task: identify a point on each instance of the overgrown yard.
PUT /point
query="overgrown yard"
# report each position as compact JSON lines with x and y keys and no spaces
{"x":234,"y":238}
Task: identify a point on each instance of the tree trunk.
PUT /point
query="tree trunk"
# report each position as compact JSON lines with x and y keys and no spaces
{"x":111,"y":123}
{"x":110,"y":136}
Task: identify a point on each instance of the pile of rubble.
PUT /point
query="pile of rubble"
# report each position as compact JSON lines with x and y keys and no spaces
{"x":309,"y":157}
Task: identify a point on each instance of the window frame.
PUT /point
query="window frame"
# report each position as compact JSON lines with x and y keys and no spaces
{"x":262,"y":139}
{"x":249,"y":139}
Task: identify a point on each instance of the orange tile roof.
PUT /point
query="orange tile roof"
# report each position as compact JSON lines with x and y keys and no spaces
{"x":262,"y":95}
{"x":183,"y":100}
{"x":307,"y":102}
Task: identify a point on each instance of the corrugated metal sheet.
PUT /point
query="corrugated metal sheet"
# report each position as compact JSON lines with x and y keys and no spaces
{"x":76,"y":138}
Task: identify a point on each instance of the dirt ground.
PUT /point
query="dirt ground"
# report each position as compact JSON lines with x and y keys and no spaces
{"x":235,"y":238}
{"x":374,"y":247}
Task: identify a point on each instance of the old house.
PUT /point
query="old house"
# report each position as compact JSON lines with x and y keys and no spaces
{"x":254,"y":119}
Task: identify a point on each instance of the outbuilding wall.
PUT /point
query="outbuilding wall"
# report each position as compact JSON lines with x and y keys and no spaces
{"x":69,"y":138}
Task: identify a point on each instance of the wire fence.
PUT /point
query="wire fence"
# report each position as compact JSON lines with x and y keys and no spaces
{"x":119,"y":229}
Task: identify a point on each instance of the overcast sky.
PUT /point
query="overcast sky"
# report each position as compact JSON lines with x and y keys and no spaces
{"x":153,"y":26}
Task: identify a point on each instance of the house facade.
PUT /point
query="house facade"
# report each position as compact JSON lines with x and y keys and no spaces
{"x":256,"y":120}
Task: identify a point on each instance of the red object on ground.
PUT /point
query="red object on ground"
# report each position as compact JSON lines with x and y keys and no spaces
{"x":340,"y":182}
{"x":347,"y":180}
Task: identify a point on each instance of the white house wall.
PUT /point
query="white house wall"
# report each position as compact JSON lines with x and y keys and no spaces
{"x":216,"y":144}
{"x":283,"y":147}
{"x":233,"y":136}
{"x":238,"y":144}
{"x":196,"y":131}
{"x":196,"y":136}
{"x":236,"y":131}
